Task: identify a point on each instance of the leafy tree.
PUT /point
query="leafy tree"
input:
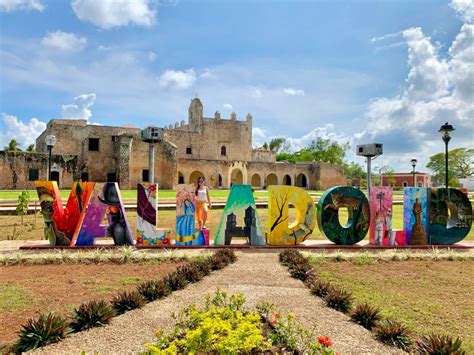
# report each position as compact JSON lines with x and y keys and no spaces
{"x":276,"y":144}
{"x":22,"y":205}
{"x":12,"y":146}
{"x":460,"y":165}
{"x":289,"y":157}
{"x":355,"y":170}
{"x":328,"y":151}
{"x":265,"y":145}
{"x":31,"y":148}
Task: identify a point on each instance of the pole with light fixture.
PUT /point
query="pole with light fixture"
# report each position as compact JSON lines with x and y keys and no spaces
{"x":413,"y":164}
{"x":444,"y":131}
{"x":50,"y":143}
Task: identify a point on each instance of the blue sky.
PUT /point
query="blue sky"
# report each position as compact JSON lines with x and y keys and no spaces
{"x":361,"y":71}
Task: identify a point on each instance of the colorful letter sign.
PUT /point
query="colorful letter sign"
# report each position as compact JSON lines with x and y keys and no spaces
{"x":280,"y":232}
{"x":415,"y":215}
{"x":359,"y":215}
{"x":105,"y":201}
{"x":240,"y":203}
{"x":146,"y":231}
{"x":453,"y":227}
{"x":381,"y":231}
{"x":186,"y":233}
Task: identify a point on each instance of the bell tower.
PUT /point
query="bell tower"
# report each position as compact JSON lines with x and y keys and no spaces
{"x":195,"y":115}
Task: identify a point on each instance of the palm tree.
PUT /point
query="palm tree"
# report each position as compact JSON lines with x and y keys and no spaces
{"x":13,"y":146}
{"x":31,"y":148}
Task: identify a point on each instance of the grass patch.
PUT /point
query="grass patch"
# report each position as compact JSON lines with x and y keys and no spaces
{"x":428,"y":296}
{"x":130,"y":280}
{"x":13,"y":298}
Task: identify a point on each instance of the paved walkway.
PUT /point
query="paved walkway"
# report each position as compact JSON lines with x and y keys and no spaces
{"x":256,"y":274}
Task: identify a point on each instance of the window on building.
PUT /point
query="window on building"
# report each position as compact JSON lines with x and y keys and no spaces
{"x":33,"y":175}
{"x":55,"y":176}
{"x":94,"y":144}
{"x":223,"y":150}
{"x":84,"y":176}
{"x":189,"y":150}
{"x":111,"y":177}
{"x":181,"y":179}
{"x":405,"y":184}
{"x":145,"y":175}
{"x":114,"y":138}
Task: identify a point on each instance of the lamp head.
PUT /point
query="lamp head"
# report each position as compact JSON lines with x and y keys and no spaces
{"x":50,"y":140}
{"x":413,"y":163}
{"x":445,"y":130}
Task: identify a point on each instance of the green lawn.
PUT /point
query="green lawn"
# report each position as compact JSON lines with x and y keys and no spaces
{"x":428,"y":296}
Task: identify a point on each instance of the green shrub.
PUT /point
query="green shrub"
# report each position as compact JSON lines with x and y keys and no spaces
{"x":190,"y":272}
{"x":320,"y":288}
{"x":41,"y":330}
{"x":126,"y":301}
{"x":228,"y":254}
{"x":366,"y":316}
{"x":393,"y":333}
{"x":91,"y":314}
{"x":339,"y":299}
{"x":221,"y":326}
{"x":439,"y":345}
{"x":203,"y":266}
{"x":149,"y":290}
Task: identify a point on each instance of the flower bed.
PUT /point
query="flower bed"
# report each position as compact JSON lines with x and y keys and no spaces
{"x":388,"y":331}
{"x":224,"y":325}
{"x":48,"y":328}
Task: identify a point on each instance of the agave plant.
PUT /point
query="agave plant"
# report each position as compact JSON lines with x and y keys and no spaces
{"x":91,"y":314}
{"x":439,"y":345}
{"x":126,"y":301}
{"x":366,"y":315}
{"x":339,"y":299}
{"x":320,"y":288}
{"x":150,"y":290}
{"x":393,"y":333}
{"x":41,"y":330}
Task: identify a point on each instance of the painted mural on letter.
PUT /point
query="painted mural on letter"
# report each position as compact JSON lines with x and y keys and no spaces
{"x":280,"y":232}
{"x":449,"y":228}
{"x":358,"y":220}
{"x":240,"y":203}
{"x":186,"y":233}
{"x":146,"y":231}
{"x":415,"y":215}
{"x":105,"y":202}
{"x":381,"y":214}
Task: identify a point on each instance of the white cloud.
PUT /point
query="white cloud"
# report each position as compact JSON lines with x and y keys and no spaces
{"x":80,"y":109}
{"x":24,"y":133}
{"x":293,"y":144}
{"x":152,"y":56}
{"x":437,"y":90}
{"x":259,"y":136}
{"x":464,"y":9}
{"x":227,"y":106}
{"x":64,"y":41}
{"x":208,"y":74}
{"x":108,"y":14}
{"x":384,"y":37}
{"x":293,"y":92}
{"x":12,"y":5}
{"x":178,"y":79}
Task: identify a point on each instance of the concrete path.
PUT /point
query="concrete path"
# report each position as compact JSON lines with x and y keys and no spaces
{"x":256,"y":274}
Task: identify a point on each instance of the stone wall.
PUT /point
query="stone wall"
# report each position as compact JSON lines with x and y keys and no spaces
{"x":15,"y":169}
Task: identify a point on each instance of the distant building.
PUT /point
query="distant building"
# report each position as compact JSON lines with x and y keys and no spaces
{"x":216,"y":148}
{"x":406,"y":179}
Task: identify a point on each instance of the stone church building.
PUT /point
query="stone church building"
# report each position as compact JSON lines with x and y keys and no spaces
{"x":216,"y":148}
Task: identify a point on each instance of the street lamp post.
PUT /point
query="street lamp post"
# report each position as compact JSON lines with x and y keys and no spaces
{"x":413,"y":164}
{"x":50,"y":143}
{"x":444,"y":131}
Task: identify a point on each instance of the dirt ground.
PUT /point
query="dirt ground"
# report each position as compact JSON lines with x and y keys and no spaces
{"x":26,"y":289}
